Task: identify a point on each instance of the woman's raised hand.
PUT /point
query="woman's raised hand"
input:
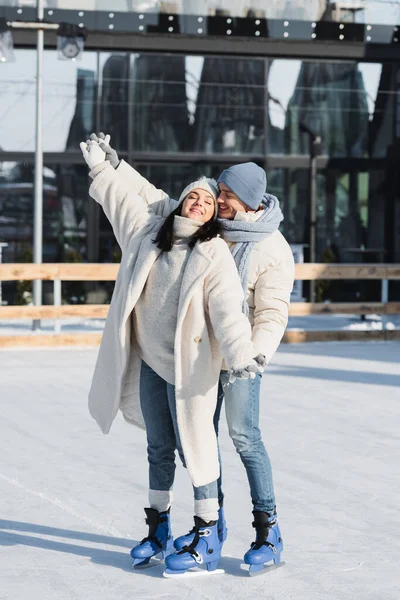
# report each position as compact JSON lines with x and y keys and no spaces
{"x":104,"y":142}
{"x":92,"y":153}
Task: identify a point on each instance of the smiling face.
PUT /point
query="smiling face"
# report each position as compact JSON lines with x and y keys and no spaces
{"x":198,"y":205}
{"x":229,"y":204}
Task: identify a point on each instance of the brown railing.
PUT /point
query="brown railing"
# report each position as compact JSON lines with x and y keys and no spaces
{"x":108,"y":272}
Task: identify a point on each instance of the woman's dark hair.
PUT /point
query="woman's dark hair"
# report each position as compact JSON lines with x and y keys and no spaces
{"x":165,"y":237}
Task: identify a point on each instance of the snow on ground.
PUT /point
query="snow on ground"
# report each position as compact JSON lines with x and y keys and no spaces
{"x":72,"y":499}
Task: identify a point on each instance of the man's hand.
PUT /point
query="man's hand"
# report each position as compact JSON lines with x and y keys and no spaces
{"x":104,"y":142}
{"x":260,"y":360}
{"x":92,"y":153}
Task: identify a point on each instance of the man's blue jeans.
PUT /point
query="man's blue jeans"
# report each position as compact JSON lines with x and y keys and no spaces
{"x":242,"y":408}
{"x":158,"y":405}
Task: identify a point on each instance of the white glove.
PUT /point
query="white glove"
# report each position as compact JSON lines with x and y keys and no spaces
{"x":104,"y":143}
{"x":93,"y":154}
{"x":246,"y":372}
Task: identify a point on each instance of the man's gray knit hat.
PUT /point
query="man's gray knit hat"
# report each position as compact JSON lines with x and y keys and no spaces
{"x":248,"y":181}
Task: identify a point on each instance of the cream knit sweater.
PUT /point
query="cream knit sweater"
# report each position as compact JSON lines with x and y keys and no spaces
{"x":155,"y":315}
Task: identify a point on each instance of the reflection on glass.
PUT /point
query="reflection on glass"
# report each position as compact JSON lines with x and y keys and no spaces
{"x":350,"y":219}
{"x":342,"y":215}
{"x":68,"y":102}
{"x":64,"y":211}
{"x":160,"y":117}
{"x":329,"y":98}
{"x":178,"y":104}
{"x":353,"y":107}
{"x":229,"y":115}
{"x":114,"y":101}
{"x":171,"y":103}
{"x":17,"y":110}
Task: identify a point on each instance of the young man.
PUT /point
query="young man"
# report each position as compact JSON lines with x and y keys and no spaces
{"x":250,"y":218}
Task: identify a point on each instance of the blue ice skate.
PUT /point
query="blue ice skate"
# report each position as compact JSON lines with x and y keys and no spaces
{"x":186,"y":540}
{"x":204,"y":551}
{"x":268,"y":545}
{"x":159,"y":542}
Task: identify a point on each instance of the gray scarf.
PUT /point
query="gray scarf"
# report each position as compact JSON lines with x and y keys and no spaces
{"x":246,"y":235}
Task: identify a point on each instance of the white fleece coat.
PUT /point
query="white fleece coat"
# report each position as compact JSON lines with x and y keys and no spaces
{"x":270,"y":273}
{"x":210,"y":326}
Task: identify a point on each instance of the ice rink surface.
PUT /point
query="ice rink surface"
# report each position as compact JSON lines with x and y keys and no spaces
{"x":72,"y":499}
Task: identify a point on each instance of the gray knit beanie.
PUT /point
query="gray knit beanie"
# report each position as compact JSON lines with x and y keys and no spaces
{"x":248,"y":181}
{"x":203,"y":183}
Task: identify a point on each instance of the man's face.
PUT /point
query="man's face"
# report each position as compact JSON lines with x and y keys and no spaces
{"x":228,"y":203}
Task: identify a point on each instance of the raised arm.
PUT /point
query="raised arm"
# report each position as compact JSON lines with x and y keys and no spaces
{"x":125,"y":210}
{"x":158,"y":200}
{"x":225,"y":295}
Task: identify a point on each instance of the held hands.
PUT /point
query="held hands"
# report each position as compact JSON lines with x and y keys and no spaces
{"x":256,"y":366}
{"x":104,"y":143}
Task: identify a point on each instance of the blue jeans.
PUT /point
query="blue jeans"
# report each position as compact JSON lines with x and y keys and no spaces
{"x":242,"y":409}
{"x":158,"y":405}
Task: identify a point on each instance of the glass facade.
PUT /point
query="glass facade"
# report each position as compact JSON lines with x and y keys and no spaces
{"x":213,"y":105}
{"x":176,"y":117}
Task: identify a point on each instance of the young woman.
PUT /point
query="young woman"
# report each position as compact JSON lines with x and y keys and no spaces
{"x":176,"y":312}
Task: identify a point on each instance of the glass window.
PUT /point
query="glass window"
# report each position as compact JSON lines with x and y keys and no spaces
{"x":196,"y":104}
{"x":115,"y":79}
{"x":68,"y":101}
{"x":350,"y":212}
{"x":331,"y":99}
{"x":65,"y":203}
{"x":17,"y":112}
{"x":291,"y":187}
{"x":229,"y":109}
{"x":65,"y":223}
{"x":159,"y":107}
{"x":216,"y":105}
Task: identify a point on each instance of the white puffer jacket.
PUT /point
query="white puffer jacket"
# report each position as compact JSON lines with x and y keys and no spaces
{"x":270,"y":274}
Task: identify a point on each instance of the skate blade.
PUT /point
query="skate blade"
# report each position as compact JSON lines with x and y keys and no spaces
{"x":254,"y":572}
{"x":143,"y":566}
{"x":192,"y":573}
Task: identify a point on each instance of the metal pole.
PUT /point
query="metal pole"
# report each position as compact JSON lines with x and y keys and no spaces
{"x":266,"y":114}
{"x":38,"y":198}
{"x":313,"y":214}
{"x":384,"y":300}
{"x":57,"y":302}
{"x":313,"y":208}
{"x":2,"y":245}
{"x":315,"y":143}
